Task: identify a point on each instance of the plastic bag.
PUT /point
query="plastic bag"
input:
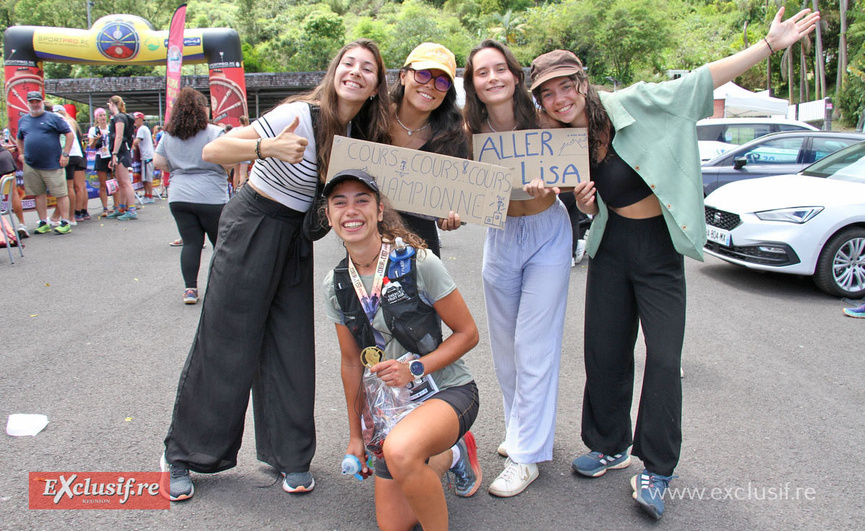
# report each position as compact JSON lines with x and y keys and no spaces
{"x":384,"y":406}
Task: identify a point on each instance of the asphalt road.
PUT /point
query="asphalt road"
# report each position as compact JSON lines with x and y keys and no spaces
{"x":94,"y":336}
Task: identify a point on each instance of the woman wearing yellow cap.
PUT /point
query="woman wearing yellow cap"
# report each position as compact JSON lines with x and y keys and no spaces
{"x":426,"y":118}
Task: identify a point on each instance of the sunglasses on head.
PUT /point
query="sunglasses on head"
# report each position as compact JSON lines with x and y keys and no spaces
{"x":442,"y":83}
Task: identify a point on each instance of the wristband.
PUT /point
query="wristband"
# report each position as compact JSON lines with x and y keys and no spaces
{"x":769,"y":45}
{"x":258,"y":149}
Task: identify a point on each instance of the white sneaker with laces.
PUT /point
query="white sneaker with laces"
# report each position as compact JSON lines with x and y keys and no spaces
{"x":514,"y":479}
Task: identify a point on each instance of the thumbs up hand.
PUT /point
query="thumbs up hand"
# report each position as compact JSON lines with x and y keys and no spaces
{"x":286,"y":146}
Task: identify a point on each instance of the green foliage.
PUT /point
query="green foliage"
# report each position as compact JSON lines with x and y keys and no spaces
{"x":511,"y":29}
{"x":321,"y":38}
{"x":626,"y":39}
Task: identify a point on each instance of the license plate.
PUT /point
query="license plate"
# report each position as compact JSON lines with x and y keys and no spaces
{"x":714,"y":234}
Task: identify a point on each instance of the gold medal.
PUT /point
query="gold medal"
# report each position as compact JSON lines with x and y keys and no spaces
{"x":371,"y":356}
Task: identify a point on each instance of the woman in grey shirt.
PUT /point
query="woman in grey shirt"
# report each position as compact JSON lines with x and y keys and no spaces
{"x":199,"y":189}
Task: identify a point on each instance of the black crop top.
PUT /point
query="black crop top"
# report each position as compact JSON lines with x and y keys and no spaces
{"x":617,"y":183}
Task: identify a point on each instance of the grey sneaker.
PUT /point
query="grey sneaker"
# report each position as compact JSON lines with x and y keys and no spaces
{"x":180,"y":487}
{"x":297,"y":482}
{"x":467,"y":474}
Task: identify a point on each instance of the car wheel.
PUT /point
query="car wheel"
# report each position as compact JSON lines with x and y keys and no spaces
{"x":841,"y":267}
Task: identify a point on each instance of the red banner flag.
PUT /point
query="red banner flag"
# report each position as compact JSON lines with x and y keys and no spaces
{"x":174,"y":58}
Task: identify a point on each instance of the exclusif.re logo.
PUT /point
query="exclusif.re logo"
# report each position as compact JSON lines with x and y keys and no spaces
{"x":97,"y":490}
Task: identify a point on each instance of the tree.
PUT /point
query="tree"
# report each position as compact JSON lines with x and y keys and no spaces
{"x":511,"y":29}
{"x":630,"y":31}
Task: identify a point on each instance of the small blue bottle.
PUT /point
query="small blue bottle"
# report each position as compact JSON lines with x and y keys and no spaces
{"x":400,"y":259}
{"x":351,"y":465}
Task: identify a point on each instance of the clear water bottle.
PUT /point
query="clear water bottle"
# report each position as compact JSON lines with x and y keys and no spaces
{"x":400,"y":259}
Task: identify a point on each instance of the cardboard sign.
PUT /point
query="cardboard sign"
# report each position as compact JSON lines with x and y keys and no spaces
{"x":558,"y":156}
{"x":427,"y":183}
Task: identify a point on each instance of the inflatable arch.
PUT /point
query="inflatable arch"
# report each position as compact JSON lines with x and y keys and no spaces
{"x":119,"y":39}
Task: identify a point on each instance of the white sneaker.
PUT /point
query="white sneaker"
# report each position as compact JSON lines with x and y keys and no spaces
{"x":514,"y":479}
{"x":501,"y":450}
{"x":580,"y":252}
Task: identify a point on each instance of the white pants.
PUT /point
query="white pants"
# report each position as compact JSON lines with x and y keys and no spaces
{"x":526,"y":270}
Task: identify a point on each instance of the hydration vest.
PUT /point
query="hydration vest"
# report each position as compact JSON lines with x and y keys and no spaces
{"x":413,"y":323}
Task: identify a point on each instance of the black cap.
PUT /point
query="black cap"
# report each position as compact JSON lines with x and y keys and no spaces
{"x":34,"y":95}
{"x":345,"y":175}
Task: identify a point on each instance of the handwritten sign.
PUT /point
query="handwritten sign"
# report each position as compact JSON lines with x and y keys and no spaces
{"x":558,"y":156}
{"x":428,"y":183}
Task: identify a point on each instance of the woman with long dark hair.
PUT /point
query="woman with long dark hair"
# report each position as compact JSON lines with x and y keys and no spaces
{"x":370,"y":314}
{"x":256,"y":330}
{"x":199,"y":191}
{"x":526,"y":268}
{"x":647,"y":197}
{"x":426,"y":117}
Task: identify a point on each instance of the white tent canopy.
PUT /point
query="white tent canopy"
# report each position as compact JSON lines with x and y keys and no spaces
{"x":742,"y":102}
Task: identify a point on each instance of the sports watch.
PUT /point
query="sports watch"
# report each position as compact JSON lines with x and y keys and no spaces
{"x":416,"y":368}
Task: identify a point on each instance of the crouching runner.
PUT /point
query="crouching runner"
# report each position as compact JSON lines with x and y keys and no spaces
{"x":395,"y":307}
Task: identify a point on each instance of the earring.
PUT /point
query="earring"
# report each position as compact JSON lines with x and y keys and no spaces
{"x":372,"y":97}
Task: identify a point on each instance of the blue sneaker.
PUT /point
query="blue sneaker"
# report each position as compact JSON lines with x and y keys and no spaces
{"x":649,"y":490}
{"x":297,"y":482}
{"x":467,"y":474}
{"x":857,"y":313}
{"x":595,"y":464}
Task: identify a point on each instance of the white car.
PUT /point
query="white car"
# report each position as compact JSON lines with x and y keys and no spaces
{"x":810,"y":223}
{"x":718,"y":135}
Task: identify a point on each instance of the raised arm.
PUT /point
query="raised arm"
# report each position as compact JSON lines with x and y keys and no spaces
{"x":244,"y":143}
{"x":781,"y":36}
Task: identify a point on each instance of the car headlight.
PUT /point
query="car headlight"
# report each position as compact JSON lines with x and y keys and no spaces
{"x":790,"y":215}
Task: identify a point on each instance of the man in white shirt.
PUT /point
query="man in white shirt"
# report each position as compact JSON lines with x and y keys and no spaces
{"x":144,"y":142}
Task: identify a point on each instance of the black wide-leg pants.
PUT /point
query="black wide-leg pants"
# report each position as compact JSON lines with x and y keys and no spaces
{"x":636,"y":278}
{"x":255,"y":332}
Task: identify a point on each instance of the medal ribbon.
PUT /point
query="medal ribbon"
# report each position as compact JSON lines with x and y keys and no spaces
{"x":370,"y":303}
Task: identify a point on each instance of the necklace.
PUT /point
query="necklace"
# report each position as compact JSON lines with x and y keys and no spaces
{"x":407,"y":130}
{"x":358,"y":264}
{"x":493,"y":130}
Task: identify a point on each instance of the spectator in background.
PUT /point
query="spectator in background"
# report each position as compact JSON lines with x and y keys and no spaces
{"x":44,"y":160}
{"x":8,"y":166}
{"x":157,"y":135}
{"x":98,"y":137}
{"x":199,"y":190}
{"x":74,"y":172}
{"x":144,"y":143}
{"x":121,"y":160}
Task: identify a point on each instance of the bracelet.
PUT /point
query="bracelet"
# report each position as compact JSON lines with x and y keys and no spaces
{"x":769,"y":45}
{"x":258,"y":149}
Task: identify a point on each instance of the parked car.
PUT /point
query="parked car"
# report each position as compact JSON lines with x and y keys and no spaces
{"x":719,"y":135}
{"x":811,"y":223}
{"x":774,"y":154}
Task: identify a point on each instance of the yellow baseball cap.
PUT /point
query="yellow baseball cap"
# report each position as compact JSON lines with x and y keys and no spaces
{"x":430,"y":55}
